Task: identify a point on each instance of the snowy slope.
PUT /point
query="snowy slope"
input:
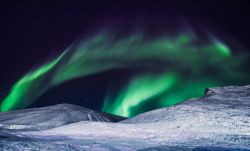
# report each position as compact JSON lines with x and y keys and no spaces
{"x":227,"y":107}
{"x":50,"y":117}
{"x":218,"y":121}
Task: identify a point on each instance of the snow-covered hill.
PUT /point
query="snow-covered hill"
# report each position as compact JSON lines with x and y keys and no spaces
{"x":50,"y":117}
{"x":218,"y":121}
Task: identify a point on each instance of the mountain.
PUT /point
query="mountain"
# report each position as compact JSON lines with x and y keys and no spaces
{"x":218,"y":121}
{"x":227,"y":107}
{"x":50,"y":117}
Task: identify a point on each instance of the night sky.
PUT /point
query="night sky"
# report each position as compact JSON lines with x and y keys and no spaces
{"x":34,"y":32}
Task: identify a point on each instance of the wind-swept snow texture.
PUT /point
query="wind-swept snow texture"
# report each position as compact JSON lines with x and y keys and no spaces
{"x":218,"y":121}
{"x":51,"y":116}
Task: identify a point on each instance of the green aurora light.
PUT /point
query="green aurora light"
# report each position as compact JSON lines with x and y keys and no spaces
{"x":181,"y":61}
{"x":141,"y":89}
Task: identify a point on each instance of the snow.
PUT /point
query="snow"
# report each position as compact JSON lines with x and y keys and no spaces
{"x":219,"y":120}
{"x":50,"y":117}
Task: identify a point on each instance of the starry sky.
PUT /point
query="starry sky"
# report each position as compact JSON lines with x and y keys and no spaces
{"x":34,"y":32}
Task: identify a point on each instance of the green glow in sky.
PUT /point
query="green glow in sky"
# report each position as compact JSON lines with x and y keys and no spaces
{"x":185,"y":66}
{"x":140,"y":89}
{"x":25,"y":86}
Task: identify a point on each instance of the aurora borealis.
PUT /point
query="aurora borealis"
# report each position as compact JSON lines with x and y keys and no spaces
{"x":171,"y":68}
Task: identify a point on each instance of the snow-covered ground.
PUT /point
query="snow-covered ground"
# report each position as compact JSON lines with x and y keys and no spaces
{"x":218,"y":121}
{"x":50,"y":117}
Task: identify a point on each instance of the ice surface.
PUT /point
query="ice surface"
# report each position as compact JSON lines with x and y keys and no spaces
{"x":218,"y":121}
